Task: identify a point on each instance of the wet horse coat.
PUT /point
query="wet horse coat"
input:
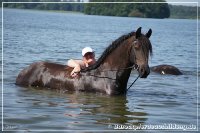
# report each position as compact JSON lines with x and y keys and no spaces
{"x":166,"y":69}
{"x":126,"y":51}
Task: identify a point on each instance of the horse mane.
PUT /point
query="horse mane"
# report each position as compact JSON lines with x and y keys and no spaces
{"x":147,"y":49}
{"x":108,"y":50}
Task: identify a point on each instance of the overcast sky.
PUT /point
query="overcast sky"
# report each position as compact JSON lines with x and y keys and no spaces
{"x":178,"y":2}
{"x":185,"y":4}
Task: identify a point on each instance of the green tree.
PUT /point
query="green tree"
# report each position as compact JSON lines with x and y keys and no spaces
{"x":150,"y":10}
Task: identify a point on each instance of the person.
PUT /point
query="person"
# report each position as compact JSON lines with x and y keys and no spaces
{"x":87,"y":60}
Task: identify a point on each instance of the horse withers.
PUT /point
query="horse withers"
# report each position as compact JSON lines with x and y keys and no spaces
{"x":109,"y":74}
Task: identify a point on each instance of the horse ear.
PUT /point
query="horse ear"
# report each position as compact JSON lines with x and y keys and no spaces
{"x":148,"y":34}
{"x":138,"y":32}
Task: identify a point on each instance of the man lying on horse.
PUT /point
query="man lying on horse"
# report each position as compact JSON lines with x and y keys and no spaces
{"x":88,"y":59}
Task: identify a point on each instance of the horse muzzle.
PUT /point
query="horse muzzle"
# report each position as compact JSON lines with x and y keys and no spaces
{"x":143,"y":70}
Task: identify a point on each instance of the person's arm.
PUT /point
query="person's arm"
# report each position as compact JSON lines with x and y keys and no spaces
{"x":77,"y":65}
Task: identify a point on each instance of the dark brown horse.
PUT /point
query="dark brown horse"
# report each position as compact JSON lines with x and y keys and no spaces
{"x":166,"y":69}
{"x":109,"y":74}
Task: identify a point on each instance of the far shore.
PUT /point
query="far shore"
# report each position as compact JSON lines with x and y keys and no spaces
{"x":56,"y":11}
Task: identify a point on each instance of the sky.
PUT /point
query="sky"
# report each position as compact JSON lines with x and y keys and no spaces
{"x":178,"y":2}
{"x":185,"y":4}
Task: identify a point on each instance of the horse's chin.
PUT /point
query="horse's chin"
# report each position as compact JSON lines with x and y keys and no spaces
{"x":144,"y":75}
{"x":143,"y":70}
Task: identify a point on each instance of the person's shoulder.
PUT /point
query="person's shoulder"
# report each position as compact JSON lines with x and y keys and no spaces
{"x":78,"y":61}
{"x":81,"y":63}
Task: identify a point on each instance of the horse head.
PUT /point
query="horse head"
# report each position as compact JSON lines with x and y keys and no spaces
{"x":140,"y":50}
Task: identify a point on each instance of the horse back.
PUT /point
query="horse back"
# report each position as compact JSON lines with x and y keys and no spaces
{"x":39,"y":73}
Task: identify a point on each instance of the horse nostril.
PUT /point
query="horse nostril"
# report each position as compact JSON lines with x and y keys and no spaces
{"x":142,"y":70}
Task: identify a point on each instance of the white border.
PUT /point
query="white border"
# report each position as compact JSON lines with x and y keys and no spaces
{"x":2,"y":63}
{"x":113,"y":129}
{"x":110,"y":2}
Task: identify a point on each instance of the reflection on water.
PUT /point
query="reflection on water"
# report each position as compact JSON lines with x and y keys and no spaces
{"x":75,"y":109}
{"x":108,"y":109}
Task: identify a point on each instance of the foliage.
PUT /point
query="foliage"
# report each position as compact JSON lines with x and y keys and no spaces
{"x":146,"y":10}
{"x":45,"y":6}
{"x":184,"y":12}
{"x":149,"y":10}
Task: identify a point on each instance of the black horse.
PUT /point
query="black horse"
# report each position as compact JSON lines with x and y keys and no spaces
{"x":109,"y":74}
{"x":166,"y":69}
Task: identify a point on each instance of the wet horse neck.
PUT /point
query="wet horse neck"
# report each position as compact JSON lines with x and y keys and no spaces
{"x":118,"y":59}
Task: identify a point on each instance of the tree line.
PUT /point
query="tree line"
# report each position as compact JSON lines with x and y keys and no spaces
{"x":144,"y":10}
{"x":47,"y":6}
{"x":149,"y":10}
{"x":185,"y":12}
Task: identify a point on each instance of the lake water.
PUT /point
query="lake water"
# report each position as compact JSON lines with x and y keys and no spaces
{"x":165,"y":100}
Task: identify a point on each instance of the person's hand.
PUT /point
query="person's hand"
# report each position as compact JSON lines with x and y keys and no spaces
{"x":75,"y":72}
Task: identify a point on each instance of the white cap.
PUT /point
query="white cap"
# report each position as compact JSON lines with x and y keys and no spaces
{"x":86,"y":50}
